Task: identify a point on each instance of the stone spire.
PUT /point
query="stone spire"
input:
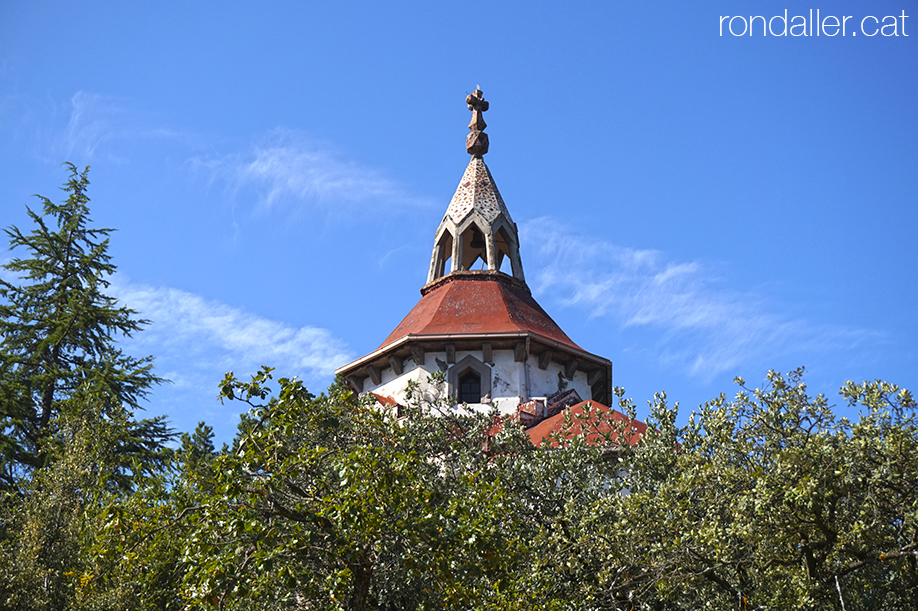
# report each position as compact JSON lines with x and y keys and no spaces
{"x":477,"y":225}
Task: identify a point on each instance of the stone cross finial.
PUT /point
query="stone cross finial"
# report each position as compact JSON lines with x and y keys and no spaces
{"x":476,"y":143}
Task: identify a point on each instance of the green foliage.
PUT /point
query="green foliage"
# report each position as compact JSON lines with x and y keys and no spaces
{"x":196,"y":455}
{"x":58,"y":330}
{"x":329,"y":502}
{"x":766,"y":501}
{"x":72,"y":455}
{"x":55,"y":522}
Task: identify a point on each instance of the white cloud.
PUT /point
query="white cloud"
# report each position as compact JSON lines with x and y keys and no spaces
{"x":189,"y":332}
{"x":703,"y":328}
{"x":285,"y":166}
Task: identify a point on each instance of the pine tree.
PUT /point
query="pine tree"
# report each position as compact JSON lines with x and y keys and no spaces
{"x":58,"y":332}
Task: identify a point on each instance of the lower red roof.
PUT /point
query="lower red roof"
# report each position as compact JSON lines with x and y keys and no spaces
{"x":591,"y":418}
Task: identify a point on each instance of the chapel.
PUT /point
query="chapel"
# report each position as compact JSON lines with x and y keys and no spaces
{"x":477,"y":321}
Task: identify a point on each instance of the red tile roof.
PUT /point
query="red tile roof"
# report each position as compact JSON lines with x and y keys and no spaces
{"x":478,"y":304}
{"x":542,"y":432}
{"x":384,"y":400}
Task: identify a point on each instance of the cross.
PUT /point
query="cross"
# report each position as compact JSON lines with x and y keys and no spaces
{"x":477,"y":104}
{"x":476,"y":143}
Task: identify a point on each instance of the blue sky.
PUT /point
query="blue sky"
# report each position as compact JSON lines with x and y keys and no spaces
{"x":691,"y":206}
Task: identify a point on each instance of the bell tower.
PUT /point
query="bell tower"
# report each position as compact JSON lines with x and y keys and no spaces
{"x":477,"y":227}
{"x":477,"y":321}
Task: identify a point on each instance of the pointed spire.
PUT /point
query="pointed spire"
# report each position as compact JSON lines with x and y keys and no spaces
{"x":477,"y":192}
{"x":477,"y":228}
{"x":476,"y":143}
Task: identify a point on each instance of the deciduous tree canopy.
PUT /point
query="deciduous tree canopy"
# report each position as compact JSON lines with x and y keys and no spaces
{"x":765,"y":501}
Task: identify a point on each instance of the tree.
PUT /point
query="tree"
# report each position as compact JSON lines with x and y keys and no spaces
{"x":136,"y":557}
{"x":59,"y":529}
{"x":71,"y":452}
{"x":765,"y":501}
{"x":197,"y":453}
{"x":333,"y":502}
{"x":58,"y":332}
{"x":330,"y":502}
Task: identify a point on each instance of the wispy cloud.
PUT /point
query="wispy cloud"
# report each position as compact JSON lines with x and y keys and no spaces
{"x":195,"y":341}
{"x":208,"y":336}
{"x":286,"y":166}
{"x":97,"y":123}
{"x":94,"y":120}
{"x":283,"y":168}
{"x":703,"y":327}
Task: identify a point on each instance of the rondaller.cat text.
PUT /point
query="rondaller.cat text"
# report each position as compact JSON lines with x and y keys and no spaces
{"x":813,"y":25}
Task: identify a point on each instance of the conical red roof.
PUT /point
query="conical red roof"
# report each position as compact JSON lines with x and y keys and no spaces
{"x":477,"y":303}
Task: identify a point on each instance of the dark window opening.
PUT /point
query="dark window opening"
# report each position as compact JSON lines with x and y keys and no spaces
{"x":470,"y":387}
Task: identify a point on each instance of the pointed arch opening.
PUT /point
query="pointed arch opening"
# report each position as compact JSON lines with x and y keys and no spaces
{"x":443,"y":259}
{"x":502,"y":244}
{"x":469,"y":387}
{"x":474,"y":247}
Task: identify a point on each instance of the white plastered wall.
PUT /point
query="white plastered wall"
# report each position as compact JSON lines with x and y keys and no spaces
{"x":509,"y":383}
{"x":395,"y":386}
{"x":548,"y":381}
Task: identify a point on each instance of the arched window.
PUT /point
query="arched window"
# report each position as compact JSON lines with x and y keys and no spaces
{"x":469,"y":381}
{"x":470,"y":387}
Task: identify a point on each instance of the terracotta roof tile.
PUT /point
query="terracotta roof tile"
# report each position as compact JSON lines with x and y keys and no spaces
{"x":541,"y":432}
{"x":384,"y":400}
